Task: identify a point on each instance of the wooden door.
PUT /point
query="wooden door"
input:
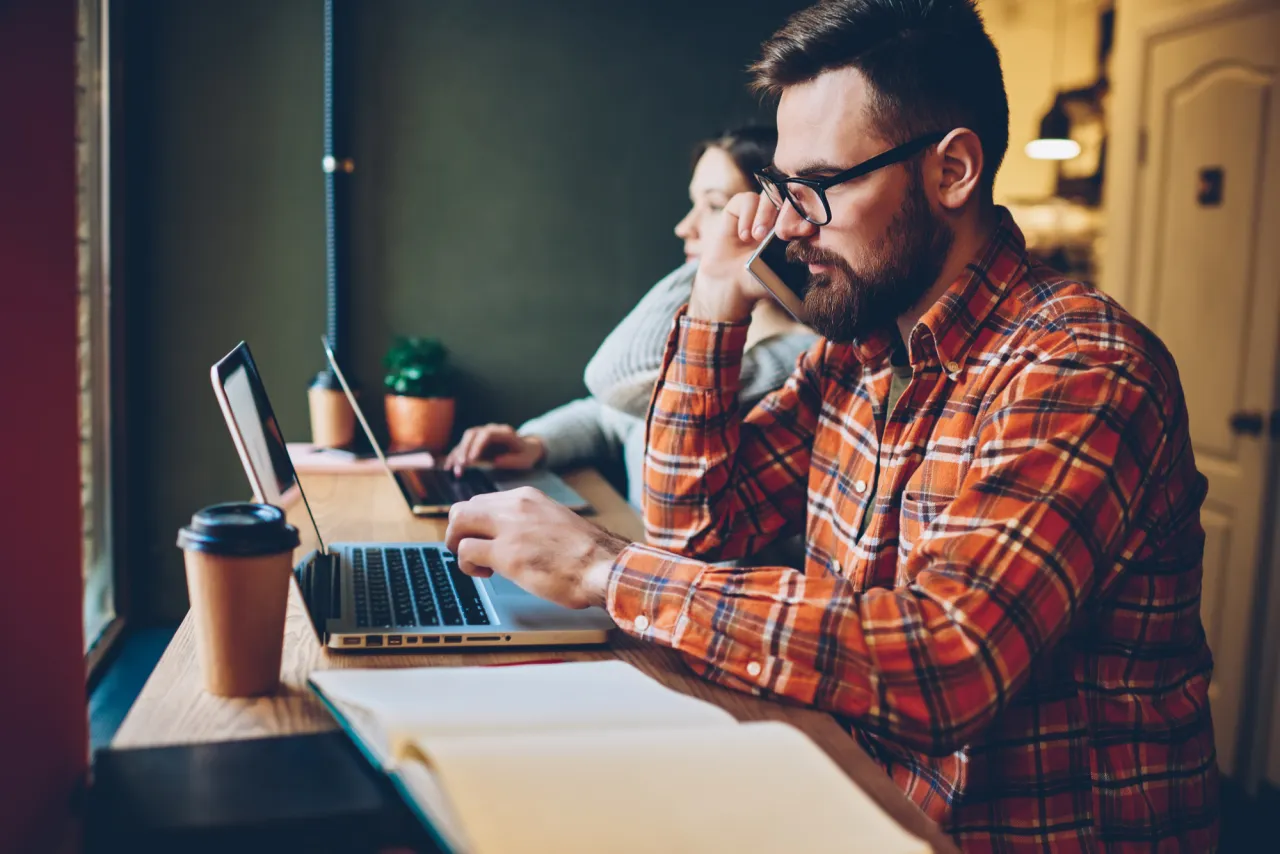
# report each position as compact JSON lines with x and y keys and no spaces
{"x":1206,"y":280}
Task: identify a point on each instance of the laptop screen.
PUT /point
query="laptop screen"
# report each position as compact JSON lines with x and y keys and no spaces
{"x":261,"y":435}
{"x":257,"y":433}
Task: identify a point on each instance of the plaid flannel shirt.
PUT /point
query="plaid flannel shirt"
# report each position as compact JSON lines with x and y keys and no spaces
{"x":1016,"y":637}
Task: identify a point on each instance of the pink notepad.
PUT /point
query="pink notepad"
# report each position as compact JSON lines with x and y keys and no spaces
{"x":308,"y":458}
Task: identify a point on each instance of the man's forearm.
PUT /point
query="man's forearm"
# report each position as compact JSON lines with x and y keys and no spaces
{"x":718,"y":485}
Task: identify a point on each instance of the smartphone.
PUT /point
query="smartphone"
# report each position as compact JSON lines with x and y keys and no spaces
{"x":786,"y":280}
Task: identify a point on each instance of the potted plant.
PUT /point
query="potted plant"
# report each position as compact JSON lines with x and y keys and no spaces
{"x":419,"y":401}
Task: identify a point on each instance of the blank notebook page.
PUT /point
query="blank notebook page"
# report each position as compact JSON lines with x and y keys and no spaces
{"x":759,"y":787}
{"x":439,"y":701}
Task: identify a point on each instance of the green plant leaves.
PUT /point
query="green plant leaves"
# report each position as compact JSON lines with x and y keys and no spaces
{"x":417,"y":367}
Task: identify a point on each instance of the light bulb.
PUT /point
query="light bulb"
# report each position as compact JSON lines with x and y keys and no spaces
{"x":1053,"y":149}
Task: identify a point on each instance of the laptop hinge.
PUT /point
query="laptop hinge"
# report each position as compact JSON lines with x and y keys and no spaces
{"x":319,"y":582}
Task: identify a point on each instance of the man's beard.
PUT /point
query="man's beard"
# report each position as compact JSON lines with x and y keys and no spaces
{"x":843,"y":305}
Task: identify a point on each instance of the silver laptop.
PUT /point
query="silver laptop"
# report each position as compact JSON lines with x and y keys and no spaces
{"x":365,"y":596}
{"x":432,"y":491}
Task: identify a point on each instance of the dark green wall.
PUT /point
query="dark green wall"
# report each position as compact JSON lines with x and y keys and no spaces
{"x":520,"y":165}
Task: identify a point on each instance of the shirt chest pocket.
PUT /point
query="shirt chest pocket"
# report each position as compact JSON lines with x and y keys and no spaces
{"x":925,"y":498}
{"x":916,"y":516}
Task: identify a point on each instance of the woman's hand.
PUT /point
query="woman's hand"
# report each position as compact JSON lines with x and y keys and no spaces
{"x":498,"y":444}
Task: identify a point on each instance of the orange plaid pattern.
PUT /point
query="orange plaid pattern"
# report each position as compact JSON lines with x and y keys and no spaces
{"x":1016,"y":637}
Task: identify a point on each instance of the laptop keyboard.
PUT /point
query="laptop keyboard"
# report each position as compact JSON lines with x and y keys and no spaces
{"x":413,"y":586}
{"x":442,"y":487}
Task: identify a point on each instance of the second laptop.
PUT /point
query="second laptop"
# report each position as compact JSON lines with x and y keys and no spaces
{"x":432,"y":491}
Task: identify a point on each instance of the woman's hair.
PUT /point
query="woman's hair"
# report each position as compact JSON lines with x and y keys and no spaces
{"x":750,"y":147}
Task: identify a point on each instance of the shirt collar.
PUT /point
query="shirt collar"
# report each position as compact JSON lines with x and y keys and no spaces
{"x":954,"y":319}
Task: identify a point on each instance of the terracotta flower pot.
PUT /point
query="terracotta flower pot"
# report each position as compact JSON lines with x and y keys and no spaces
{"x":419,"y":422}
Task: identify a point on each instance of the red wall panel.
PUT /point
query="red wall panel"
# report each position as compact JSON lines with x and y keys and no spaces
{"x":42,"y":692}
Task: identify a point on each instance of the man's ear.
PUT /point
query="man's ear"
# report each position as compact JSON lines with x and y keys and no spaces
{"x":960,"y":162}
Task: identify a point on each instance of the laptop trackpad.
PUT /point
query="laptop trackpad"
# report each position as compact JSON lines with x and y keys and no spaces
{"x":501,"y":588}
{"x":520,"y":610}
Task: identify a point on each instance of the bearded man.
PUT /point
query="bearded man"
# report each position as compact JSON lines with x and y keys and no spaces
{"x":989,"y":463}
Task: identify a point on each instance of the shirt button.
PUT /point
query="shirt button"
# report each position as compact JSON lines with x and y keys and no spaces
{"x":641,"y":623}
{"x":753,"y":669}
{"x":860,"y":487}
{"x":952,"y":367}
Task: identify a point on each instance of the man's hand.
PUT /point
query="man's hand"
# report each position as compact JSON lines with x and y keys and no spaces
{"x":499,"y":444}
{"x":542,"y":546}
{"x":723,"y":289}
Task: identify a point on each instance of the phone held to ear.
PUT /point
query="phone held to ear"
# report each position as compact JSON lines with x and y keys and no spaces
{"x":786,"y":280}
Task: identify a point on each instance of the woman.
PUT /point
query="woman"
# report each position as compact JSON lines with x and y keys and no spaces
{"x":609,"y":424}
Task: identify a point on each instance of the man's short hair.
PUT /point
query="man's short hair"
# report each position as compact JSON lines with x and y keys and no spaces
{"x":930,"y":64}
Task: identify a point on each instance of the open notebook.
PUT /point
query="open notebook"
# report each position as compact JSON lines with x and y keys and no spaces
{"x":596,"y":756}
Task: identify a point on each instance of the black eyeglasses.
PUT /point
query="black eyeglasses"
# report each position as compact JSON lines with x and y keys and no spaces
{"x":809,"y":195}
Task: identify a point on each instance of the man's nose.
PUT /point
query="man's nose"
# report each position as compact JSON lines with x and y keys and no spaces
{"x":792,"y":226}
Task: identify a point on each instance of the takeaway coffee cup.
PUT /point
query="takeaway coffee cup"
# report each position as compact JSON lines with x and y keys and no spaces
{"x":239,"y":557}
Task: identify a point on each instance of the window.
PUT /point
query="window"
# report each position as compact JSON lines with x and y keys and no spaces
{"x":94,"y":315}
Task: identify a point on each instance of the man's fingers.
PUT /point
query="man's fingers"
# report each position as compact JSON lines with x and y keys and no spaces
{"x":474,"y":518}
{"x":736,"y":217}
{"x":766,"y":216}
{"x":476,"y":557}
{"x":740,"y":214}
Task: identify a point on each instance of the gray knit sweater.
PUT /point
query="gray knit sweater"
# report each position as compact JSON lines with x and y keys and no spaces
{"x":621,"y":376}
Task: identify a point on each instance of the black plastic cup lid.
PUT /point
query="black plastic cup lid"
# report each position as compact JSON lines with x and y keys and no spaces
{"x":239,"y":529}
